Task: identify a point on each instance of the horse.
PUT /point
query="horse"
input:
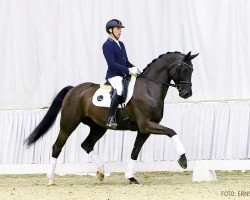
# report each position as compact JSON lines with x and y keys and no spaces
{"x":144,"y":111}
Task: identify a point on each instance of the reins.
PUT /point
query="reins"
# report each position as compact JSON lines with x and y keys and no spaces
{"x":178,"y":85}
{"x":156,"y":81}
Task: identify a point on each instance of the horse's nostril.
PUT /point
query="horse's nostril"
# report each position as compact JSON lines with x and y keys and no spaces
{"x":189,"y":94}
{"x":186,"y":94}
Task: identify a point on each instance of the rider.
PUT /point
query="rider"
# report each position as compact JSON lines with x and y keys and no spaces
{"x":118,"y":65}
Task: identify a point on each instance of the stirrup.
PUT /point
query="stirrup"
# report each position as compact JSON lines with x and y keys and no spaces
{"x":112,"y":125}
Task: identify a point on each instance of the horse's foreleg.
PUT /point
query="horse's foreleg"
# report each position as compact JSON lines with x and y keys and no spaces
{"x":96,"y":132}
{"x":139,"y":141}
{"x":154,"y":128}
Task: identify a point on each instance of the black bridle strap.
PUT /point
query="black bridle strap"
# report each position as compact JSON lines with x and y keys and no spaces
{"x":187,"y":65}
{"x":114,"y":34}
{"x":178,"y":85}
{"x":156,"y":81}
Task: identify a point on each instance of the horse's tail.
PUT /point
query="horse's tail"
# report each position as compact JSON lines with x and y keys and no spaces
{"x":50,"y":117}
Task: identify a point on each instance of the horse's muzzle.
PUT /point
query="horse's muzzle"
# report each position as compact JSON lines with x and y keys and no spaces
{"x":185,"y":93}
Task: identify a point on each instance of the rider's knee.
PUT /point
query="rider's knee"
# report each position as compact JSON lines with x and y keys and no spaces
{"x":119,"y":90}
{"x":116,"y":83}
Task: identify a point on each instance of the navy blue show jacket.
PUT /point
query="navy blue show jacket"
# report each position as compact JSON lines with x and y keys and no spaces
{"x":116,"y":58}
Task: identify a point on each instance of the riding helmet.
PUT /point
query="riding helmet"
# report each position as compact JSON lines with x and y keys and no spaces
{"x":113,"y":23}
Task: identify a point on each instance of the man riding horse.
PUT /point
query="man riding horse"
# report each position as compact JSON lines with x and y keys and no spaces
{"x":118,"y":65}
{"x":145,"y":108}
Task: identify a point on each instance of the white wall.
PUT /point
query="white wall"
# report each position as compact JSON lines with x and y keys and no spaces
{"x":46,"y":45}
{"x":211,"y":131}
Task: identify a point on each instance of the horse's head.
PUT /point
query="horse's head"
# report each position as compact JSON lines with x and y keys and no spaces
{"x":181,"y":74}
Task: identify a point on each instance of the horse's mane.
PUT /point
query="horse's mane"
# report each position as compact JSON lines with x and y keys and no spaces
{"x":153,"y":61}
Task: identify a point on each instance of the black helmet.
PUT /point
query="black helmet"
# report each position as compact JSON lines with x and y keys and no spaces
{"x":113,"y":23}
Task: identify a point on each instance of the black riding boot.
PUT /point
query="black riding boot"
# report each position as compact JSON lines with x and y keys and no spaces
{"x":112,"y":111}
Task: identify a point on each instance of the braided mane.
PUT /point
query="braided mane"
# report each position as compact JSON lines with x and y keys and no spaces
{"x":153,"y":61}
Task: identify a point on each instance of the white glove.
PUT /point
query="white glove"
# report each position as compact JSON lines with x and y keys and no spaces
{"x":134,"y":70}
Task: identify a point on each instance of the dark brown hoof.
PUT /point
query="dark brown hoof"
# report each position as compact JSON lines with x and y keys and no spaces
{"x":100,"y":175}
{"x":183,"y":161}
{"x":133,"y":181}
{"x":51,"y":184}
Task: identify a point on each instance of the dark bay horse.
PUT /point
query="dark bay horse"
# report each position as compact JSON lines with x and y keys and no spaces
{"x":145,"y":111}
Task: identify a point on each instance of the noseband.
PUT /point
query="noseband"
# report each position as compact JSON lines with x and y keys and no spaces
{"x":179,"y":84}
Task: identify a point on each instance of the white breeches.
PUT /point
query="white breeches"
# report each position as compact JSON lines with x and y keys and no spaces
{"x":116,"y":83}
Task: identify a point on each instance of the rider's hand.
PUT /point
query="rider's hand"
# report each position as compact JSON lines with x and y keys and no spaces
{"x":134,"y":70}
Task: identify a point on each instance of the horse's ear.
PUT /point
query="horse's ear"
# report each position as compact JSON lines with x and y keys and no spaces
{"x":190,"y":57}
{"x":193,"y":56}
{"x":187,"y":57}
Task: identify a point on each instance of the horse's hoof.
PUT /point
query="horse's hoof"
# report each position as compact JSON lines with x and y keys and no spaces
{"x":183,"y":161}
{"x":100,"y":176}
{"x":51,"y":184}
{"x":133,"y":181}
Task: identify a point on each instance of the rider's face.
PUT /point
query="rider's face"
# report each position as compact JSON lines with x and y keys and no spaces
{"x":117,"y":32}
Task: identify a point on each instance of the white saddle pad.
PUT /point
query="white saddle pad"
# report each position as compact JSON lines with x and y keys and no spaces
{"x":102,"y":97}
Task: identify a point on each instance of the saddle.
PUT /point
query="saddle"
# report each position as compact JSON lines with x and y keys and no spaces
{"x":102,"y":96}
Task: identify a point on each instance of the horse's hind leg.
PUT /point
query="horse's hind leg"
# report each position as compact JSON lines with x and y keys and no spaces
{"x":68,"y":125}
{"x":139,"y":141}
{"x":96,"y":132}
{"x":56,"y":150}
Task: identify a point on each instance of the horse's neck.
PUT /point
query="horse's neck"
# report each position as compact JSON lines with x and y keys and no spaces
{"x":158,"y":88}
{"x":159,"y":71}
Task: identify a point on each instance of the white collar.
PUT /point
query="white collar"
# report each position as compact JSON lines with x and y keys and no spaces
{"x":117,"y":41}
{"x":114,"y":39}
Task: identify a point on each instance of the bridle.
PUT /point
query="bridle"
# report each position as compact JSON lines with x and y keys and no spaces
{"x":177,"y":84}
